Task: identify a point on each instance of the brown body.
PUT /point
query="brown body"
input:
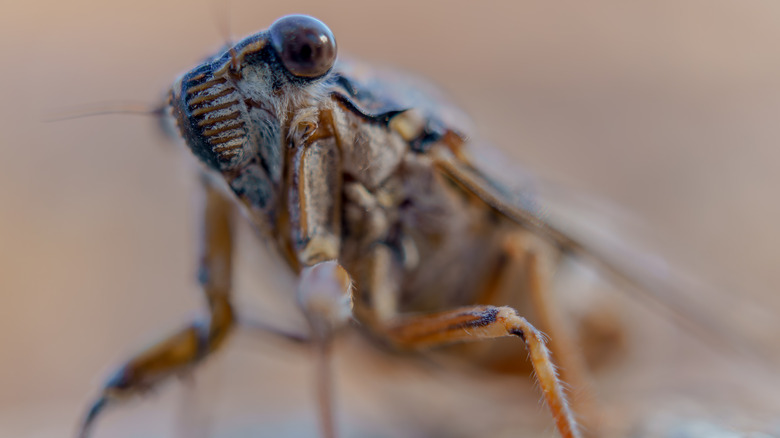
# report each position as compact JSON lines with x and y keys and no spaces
{"x":361,"y":180}
{"x":386,"y":193}
{"x":377,"y":187}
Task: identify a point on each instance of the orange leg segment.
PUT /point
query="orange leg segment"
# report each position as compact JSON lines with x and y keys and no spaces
{"x":488,"y":322}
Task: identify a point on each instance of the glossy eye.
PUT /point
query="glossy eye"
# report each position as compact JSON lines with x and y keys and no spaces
{"x":305,"y":45}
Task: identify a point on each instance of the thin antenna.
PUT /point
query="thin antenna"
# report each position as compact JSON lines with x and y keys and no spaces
{"x":106,"y":108}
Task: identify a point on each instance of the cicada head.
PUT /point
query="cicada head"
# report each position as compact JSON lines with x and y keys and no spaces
{"x":231,"y":109}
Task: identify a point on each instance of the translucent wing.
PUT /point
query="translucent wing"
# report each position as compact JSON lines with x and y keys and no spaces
{"x":565,"y":219}
{"x":735,"y":376}
{"x":553,"y":215}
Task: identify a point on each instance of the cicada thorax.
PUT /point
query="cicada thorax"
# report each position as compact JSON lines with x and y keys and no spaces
{"x":445,"y":243}
{"x":448,"y":247}
{"x":343,"y":180}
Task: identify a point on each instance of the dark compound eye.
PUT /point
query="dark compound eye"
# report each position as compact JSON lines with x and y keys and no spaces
{"x":305,"y":45}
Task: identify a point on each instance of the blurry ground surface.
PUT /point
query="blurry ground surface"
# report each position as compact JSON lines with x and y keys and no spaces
{"x":666,"y":108}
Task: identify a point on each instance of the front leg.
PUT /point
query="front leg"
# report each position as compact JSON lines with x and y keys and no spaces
{"x":325,"y":296}
{"x":183,"y":350}
{"x":315,"y":201}
{"x":324,"y":292}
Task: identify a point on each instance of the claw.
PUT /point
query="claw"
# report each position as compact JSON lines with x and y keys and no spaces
{"x":89,"y":419}
{"x":118,"y":385}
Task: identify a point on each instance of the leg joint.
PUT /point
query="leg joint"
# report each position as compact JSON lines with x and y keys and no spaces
{"x":482,"y":317}
{"x":518,"y":332}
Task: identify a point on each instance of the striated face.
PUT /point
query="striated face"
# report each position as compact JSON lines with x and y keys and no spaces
{"x":232,"y":108}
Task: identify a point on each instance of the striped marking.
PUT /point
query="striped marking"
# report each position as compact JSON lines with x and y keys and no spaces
{"x":206,"y":85}
{"x":214,"y":120}
{"x":209,"y":109}
{"x":209,"y":97}
{"x":214,"y":104}
{"x":228,"y":154}
{"x":224,"y":128}
{"x":226,"y":138}
{"x":228,"y":147}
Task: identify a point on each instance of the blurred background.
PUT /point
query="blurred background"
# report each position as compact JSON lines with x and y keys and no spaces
{"x":667,"y":109}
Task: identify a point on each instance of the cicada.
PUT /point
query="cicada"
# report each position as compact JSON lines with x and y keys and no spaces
{"x":365,"y":184}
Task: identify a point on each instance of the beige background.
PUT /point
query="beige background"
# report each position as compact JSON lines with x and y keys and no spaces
{"x":668,"y":109}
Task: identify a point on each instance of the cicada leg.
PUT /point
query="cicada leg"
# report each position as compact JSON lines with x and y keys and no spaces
{"x":325,"y":296}
{"x":551,"y":321}
{"x":325,"y":289}
{"x":569,"y":358}
{"x":487,"y":322}
{"x":423,"y":331}
{"x":183,"y":350}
